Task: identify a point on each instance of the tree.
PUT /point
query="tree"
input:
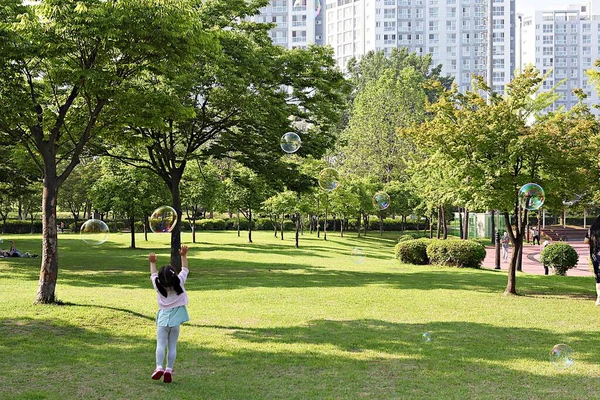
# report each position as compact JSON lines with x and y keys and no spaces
{"x":62,"y":64}
{"x":372,"y":147}
{"x":246,"y":191}
{"x":235,"y":100}
{"x":200,"y":188}
{"x":494,"y":149}
{"x":127,"y":190}
{"x":76,"y":188}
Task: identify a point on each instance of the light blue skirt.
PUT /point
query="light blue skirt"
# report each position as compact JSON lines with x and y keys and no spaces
{"x":172,"y":317}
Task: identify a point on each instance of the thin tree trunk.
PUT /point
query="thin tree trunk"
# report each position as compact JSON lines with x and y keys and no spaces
{"x":282,"y":222}
{"x":343,"y":221}
{"x":132,"y":228}
{"x":358,"y":221}
{"x":325,"y":225}
{"x":194,"y":227}
{"x":249,"y":225}
{"x":439,"y":222}
{"x":460,"y":224}
{"x":238,"y":222}
{"x":444,"y":223}
{"x":297,"y":230}
{"x":466,"y":230}
{"x":381,"y":224}
{"x":146,"y":228}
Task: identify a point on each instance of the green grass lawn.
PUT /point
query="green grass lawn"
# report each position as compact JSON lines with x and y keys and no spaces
{"x":272,"y":321}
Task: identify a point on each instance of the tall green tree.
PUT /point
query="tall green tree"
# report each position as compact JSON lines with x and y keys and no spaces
{"x":235,"y":100}
{"x":62,"y":64}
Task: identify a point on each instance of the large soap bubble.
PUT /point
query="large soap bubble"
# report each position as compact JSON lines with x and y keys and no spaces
{"x":531,"y":196}
{"x":381,"y":201}
{"x":561,"y":356}
{"x":163,"y":219}
{"x":94,"y":232}
{"x":290,"y":142}
{"x":329,"y":179}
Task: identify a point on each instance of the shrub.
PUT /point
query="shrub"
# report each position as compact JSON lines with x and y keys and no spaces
{"x":459,"y":253}
{"x":413,"y":251}
{"x":407,"y":236}
{"x":139,"y":226}
{"x":120,"y":225}
{"x":559,"y":256}
{"x":211,"y":224}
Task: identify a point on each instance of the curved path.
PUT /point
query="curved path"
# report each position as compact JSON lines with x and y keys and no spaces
{"x":531,"y":257}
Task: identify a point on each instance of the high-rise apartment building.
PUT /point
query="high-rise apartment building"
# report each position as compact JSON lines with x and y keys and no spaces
{"x":454,"y":32}
{"x":299,"y":22}
{"x":564,"y":44}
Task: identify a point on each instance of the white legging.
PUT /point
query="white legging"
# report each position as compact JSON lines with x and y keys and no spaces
{"x":166,"y":335}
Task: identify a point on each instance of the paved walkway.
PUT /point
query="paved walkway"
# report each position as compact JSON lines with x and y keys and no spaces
{"x":531,"y":257}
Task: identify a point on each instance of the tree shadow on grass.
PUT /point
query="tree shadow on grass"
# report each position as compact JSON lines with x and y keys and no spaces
{"x":323,"y":359}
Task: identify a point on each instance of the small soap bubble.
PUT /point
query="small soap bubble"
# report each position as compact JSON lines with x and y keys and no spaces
{"x":358,"y":255}
{"x":290,"y":142}
{"x":329,"y":179}
{"x":426,"y":337}
{"x":163,"y":219}
{"x":561,"y":356}
{"x":531,"y":196}
{"x":94,"y":232}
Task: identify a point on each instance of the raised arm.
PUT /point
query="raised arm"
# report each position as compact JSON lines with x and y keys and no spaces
{"x":152,"y":259}
{"x":183,"y":252}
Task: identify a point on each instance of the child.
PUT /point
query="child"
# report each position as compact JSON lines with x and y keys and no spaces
{"x":172,"y":299}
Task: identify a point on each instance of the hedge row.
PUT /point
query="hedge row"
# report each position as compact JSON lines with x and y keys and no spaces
{"x":458,"y":253}
{"x":15,"y":226}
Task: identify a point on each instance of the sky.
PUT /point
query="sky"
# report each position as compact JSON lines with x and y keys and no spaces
{"x":528,"y":6}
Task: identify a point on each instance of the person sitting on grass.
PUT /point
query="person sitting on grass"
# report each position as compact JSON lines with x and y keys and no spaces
{"x":172,"y":300}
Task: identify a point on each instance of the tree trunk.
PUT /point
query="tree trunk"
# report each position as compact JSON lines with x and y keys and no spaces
{"x":325,"y":225}
{"x":274,"y":222}
{"x":358,"y":221}
{"x":493,"y":227}
{"x":444,"y":223}
{"x":431,"y":227}
{"x":380,"y":224}
{"x":439,"y":222}
{"x":146,"y":224}
{"x":176,"y":232}
{"x":249,"y":225}
{"x":318,"y":226}
{"x":132,"y":228}
{"x":466,"y":230}
{"x":282,"y":221}
{"x":49,"y":267}
{"x":238,"y":224}
{"x":460,"y":224}
{"x":297,"y":230}
{"x":365,"y":223}
{"x":194,"y":228}
{"x":517,"y":240}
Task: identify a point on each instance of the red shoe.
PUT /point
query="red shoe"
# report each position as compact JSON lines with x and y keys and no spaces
{"x":168,"y":377}
{"x":157,"y":374}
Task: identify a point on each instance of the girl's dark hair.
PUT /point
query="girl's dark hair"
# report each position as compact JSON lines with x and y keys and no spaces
{"x":167,"y":277}
{"x":595,"y":236}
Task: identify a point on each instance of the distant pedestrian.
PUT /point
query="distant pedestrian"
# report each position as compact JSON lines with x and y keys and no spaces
{"x":505,"y":241}
{"x":536,"y":236}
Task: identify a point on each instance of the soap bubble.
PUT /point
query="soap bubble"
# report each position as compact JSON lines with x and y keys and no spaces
{"x":290,"y":142}
{"x":329,"y":179}
{"x":317,"y":8}
{"x":531,"y":196}
{"x":561,"y":356}
{"x":358,"y":255}
{"x":426,"y":337}
{"x":94,"y":232}
{"x":163,"y":219}
{"x":381,"y":201}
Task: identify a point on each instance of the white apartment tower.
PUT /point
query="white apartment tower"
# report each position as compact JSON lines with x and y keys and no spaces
{"x":563,"y":43}
{"x":299,"y":22}
{"x":453,"y":31}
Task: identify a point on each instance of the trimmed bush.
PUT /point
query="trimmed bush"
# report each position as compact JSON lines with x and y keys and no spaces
{"x":458,"y":253}
{"x":211,"y":224}
{"x":413,"y":251}
{"x":407,"y":236}
{"x":560,"y":257}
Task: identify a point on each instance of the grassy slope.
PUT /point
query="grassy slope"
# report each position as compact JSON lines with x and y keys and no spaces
{"x":271,"y":321}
